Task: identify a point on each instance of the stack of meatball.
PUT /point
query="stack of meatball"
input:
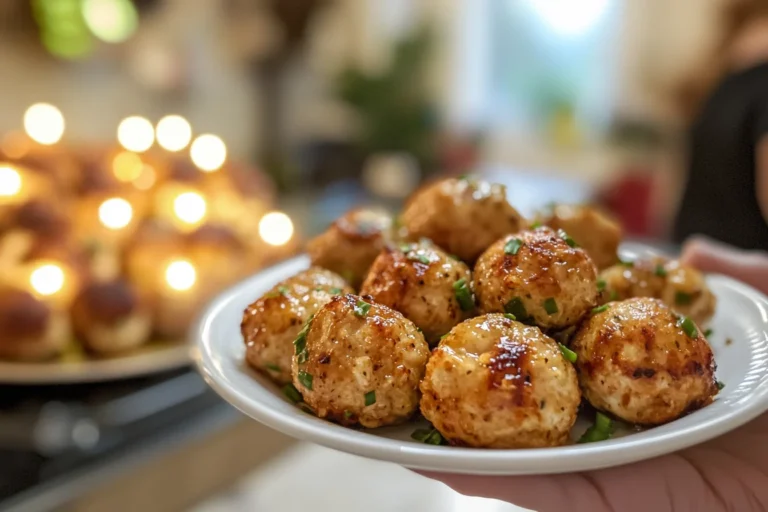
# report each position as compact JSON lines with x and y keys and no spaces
{"x":459,"y":306}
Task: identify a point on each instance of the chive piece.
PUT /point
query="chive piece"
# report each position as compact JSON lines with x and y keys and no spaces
{"x":550,"y":306}
{"x":517,"y":308}
{"x":282,"y":289}
{"x":720,"y":385}
{"x":370,"y":398}
{"x":334,"y":291}
{"x":361,"y":308}
{"x":434,"y":438}
{"x":306,"y":380}
{"x":600,"y":285}
{"x":660,"y":270}
{"x":347,"y":415}
{"x":599,"y":309}
{"x":570,"y":241}
{"x":290,"y":391}
{"x":303,"y":356}
{"x":627,"y":263}
{"x":428,"y":436}
{"x":683,"y":298}
{"x":273,"y":367}
{"x":405,"y":247}
{"x":603,"y":422}
{"x":306,"y":408}
{"x":688,"y":326}
{"x":708,"y":333}
{"x":510,"y":316}
{"x":421,"y":258}
{"x":300,"y":343}
{"x":536,"y":225}
{"x":463,"y":295}
{"x":513,"y":246}
{"x":444,"y":335}
{"x":420,"y":434}
{"x":569,"y":354}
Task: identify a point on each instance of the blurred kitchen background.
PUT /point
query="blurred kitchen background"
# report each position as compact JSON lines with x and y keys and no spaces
{"x":159,"y":141}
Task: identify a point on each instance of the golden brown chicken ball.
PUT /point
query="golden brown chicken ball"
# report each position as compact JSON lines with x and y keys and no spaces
{"x":359,"y":362}
{"x":593,"y":230}
{"x":30,"y":330}
{"x":644,"y":363}
{"x":495,"y":383}
{"x":272,"y":323}
{"x":109,"y":318}
{"x":540,"y":276}
{"x":349,"y":246}
{"x":680,"y":286}
{"x":463,"y":216}
{"x":430,"y":288}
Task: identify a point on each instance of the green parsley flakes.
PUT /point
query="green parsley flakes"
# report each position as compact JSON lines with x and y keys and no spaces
{"x":550,"y":306}
{"x":463,"y":295}
{"x":512,"y":246}
{"x":370,"y":398}
{"x":569,"y":354}
{"x":306,"y":379}
{"x":362,"y":308}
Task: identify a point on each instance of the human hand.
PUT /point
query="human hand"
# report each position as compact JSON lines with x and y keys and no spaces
{"x":729,"y":473}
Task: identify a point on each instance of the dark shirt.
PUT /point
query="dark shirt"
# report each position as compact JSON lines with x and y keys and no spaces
{"x":720,"y":198}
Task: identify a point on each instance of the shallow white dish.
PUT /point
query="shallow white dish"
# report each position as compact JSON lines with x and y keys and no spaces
{"x":742,"y":316}
{"x":154,"y":358}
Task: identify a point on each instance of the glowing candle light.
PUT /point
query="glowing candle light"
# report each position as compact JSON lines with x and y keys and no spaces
{"x":127,"y":166}
{"x":136,"y":134}
{"x":146,"y":179}
{"x":115,"y":213}
{"x":190,"y":207}
{"x":10,"y":181}
{"x":180,"y":275}
{"x":173,"y":133}
{"x":276,"y":228}
{"x":47,"y":279}
{"x":208,"y":152}
{"x":44,"y":123}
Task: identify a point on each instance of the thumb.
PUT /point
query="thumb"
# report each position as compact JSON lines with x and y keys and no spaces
{"x":707,"y":255}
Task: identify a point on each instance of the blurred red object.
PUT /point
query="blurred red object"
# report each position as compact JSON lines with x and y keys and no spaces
{"x":629,"y":198}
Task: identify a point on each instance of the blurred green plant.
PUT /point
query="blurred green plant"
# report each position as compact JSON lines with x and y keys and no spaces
{"x":393,"y":106}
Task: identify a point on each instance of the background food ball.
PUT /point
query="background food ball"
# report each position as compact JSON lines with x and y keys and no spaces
{"x":537,"y":276}
{"x":272,"y":323}
{"x":597,"y":233}
{"x":638,"y":361}
{"x":681,"y":287}
{"x":426,"y":285}
{"x":463,"y":216}
{"x":360,"y":362}
{"x":496,"y":383}
{"x":109,"y":317}
{"x":349,"y":246}
{"x":30,"y":330}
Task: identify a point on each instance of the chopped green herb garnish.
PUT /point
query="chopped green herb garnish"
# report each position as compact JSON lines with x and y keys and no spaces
{"x":600,"y":285}
{"x":300,"y":343}
{"x":660,"y":270}
{"x":463,"y":295}
{"x":282,"y":289}
{"x":720,"y":385}
{"x":570,"y":241}
{"x":444,"y":335}
{"x":334,"y":291}
{"x":513,"y":246}
{"x":603,"y":422}
{"x":688,"y":326}
{"x":683,"y":298}
{"x":510,"y":316}
{"x":292,"y":393}
{"x":627,"y":263}
{"x":517,"y":308}
{"x":536,"y":225}
{"x":273,"y":367}
{"x":361,"y":308}
{"x":569,"y":354}
{"x":347,"y":414}
{"x":306,"y":408}
{"x":370,"y":398}
{"x":600,"y":431}
{"x":421,"y":258}
{"x":306,"y":380}
{"x":428,"y":436}
{"x":599,"y":309}
{"x":550,"y":306}
{"x":303,"y":356}
{"x":708,"y":333}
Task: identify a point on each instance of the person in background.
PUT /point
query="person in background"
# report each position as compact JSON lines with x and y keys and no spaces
{"x":726,"y":201}
{"x":726,"y":195}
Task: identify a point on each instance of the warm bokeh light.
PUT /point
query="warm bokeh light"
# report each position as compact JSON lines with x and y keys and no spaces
{"x":44,"y":123}
{"x":173,"y":133}
{"x":47,"y":279}
{"x":146,"y":179}
{"x":115,"y":213}
{"x":276,"y":228}
{"x":10,"y":181}
{"x":190,"y":207}
{"x":136,"y":134}
{"x":208,"y":152}
{"x":180,"y":275}
{"x":127,"y":166}
{"x":113,"y":21}
{"x":15,"y":144}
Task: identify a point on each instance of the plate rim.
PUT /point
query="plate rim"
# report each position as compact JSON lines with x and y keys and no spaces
{"x":570,"y":458}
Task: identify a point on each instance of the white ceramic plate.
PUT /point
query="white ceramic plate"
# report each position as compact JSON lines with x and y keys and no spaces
{"x":155,"y":358}
{"x":742,"y":316}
